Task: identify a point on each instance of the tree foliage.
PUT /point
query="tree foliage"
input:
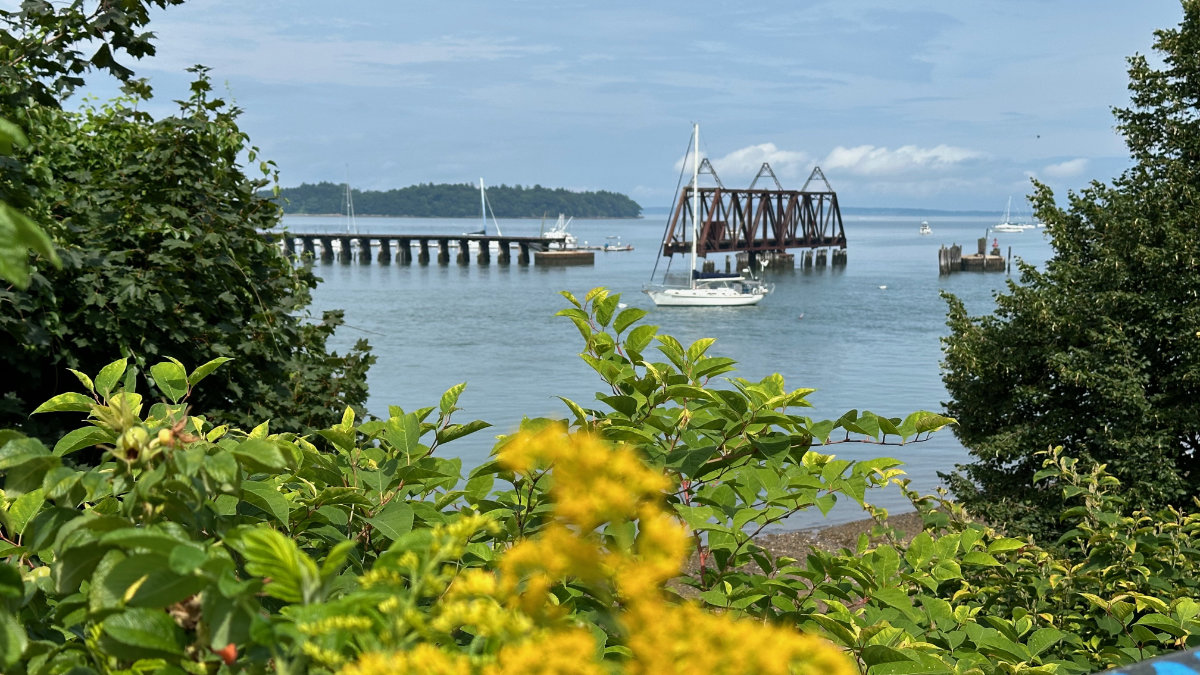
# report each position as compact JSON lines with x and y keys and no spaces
{"x":1100,"y":352}
{"x":459,"y":201}
{"x":158,"y":228}
{"x":197,"y":548}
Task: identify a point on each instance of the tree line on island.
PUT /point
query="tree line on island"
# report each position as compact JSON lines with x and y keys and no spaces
{"x":445,"y":200}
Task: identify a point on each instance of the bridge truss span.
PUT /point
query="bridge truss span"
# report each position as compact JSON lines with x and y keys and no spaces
{"x":756,"y":220}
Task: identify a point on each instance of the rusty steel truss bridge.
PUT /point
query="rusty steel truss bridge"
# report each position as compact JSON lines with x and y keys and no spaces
{"x":759,"y":221}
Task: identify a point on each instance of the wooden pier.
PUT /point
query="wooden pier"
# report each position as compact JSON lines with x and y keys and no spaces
{"x":405,"y":249}
{"x":951,"y":259}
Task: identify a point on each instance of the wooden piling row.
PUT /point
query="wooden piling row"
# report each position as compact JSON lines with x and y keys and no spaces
{"x":345,"y":248}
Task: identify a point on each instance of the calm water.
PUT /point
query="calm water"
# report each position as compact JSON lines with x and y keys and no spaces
{"x":865,"y":336}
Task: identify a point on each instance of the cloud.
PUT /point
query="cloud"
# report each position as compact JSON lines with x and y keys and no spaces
{"x":869,"y":160}
{"x":1072,"y":167}
{"x":746,"y":162}
{"x":249,"y":51}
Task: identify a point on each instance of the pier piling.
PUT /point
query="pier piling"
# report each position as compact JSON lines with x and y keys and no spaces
{"x":345,"y":247}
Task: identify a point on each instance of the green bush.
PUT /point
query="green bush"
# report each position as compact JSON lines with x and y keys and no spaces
{"x":205,"y":549}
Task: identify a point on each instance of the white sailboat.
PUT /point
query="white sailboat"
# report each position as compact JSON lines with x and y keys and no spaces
{"x":484,"y":209}
{"x":1007,"y":225}
{"x":723,"y":291}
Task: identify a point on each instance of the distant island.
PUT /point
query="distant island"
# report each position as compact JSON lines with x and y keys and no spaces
{"x":457,"y":201}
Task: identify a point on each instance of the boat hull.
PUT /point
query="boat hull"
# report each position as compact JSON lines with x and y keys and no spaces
{"x":702,"y":297}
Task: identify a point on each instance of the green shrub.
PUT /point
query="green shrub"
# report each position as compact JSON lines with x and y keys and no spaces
{"x":203,"y":549}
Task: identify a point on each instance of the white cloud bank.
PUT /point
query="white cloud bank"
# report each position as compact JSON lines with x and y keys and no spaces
{"x":869,"y":160}
{"x":1073,"y":167}
{"x":748,"y":160}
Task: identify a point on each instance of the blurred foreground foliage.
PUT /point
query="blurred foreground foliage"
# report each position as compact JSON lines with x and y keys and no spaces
{"x":196,"y":548}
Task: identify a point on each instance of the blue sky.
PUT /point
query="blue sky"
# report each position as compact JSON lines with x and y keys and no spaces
{"x":939,"y":105}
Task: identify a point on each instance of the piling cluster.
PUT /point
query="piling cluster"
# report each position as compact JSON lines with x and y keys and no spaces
{"x":422,"y":249}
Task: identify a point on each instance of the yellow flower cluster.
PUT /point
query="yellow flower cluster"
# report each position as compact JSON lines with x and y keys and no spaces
{"x":335,"y":623}
{"x":668,"y":639}
{"x":424,"y":658}
{"x":593,"y":484}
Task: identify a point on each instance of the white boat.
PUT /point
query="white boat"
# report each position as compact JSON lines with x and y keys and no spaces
{"x":348,"y":207}
{"x":925,"y":229}
{"x":616,"y":245}
{"x":1007,"y":225}
{"x":562,"y":240}
{"x":703,"y":290}
{"x":484,"y":209}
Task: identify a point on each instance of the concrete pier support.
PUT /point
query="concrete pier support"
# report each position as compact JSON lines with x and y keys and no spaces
{"x":839,"y":258}
{"x":404,"y":252}
{"x":485,"y":253}
{"x":502,"y":256}
{"x":464,"y":252}
{"x":807,"y":259}
{"x":326,"y":249}
{"x":385,"y":252}
{"x":443,"y":251}
{"x":310,"y":250}
{"x":523,"y":256}
{"x":289,"y":247}
{"x":364,"y":250}
{"x":345,"y":255}
{"x":423,"y":256}
{"x":821,"y":258}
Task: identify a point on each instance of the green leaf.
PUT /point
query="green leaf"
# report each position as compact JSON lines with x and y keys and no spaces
{"x":1042,"y":639}
{"x":627,"y":317}
{"x":876,"y":654}
{"x":84,"y":437}
{"x":394,"y":521}
{"x":639,"y":338}
{"x":13,"y":640}
{"x":84,"y":380}
{"x":146,"y":580}
{"x":1005,"y":544}
{"x":450,"y":398}
{"x":404,"y":434}
{"x":293,"y":575}
{"x":260,"y":455}
{"x":267,"y":497}
{"x":24,"y":508}
{"x":979,"y":558}
{"x":144,"y":633}
{"x":203,"y":371}
{"x":109,"y":376}
{"x":74,"y":565}
{"x":171,"y":379}
{"x":1162,"y":623}
{"x":71,"y":401}
{"x":455,"y":431}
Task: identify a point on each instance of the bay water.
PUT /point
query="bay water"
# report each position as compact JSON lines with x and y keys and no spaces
{"x":866,"y":336}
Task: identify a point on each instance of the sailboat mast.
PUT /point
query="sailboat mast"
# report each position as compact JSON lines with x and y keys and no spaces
{"x":695,"y":196}
{"x":482,"y":206}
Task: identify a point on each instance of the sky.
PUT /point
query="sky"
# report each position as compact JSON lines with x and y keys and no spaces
{"x":943,"y":105}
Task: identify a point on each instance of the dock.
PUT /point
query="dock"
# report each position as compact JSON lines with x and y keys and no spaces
{"x":423,"y":249}
{"x":951,"y":259}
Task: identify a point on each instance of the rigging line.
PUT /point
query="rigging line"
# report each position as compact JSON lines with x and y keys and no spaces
{"x":670,"y":210}
{"x":362,"y":330}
